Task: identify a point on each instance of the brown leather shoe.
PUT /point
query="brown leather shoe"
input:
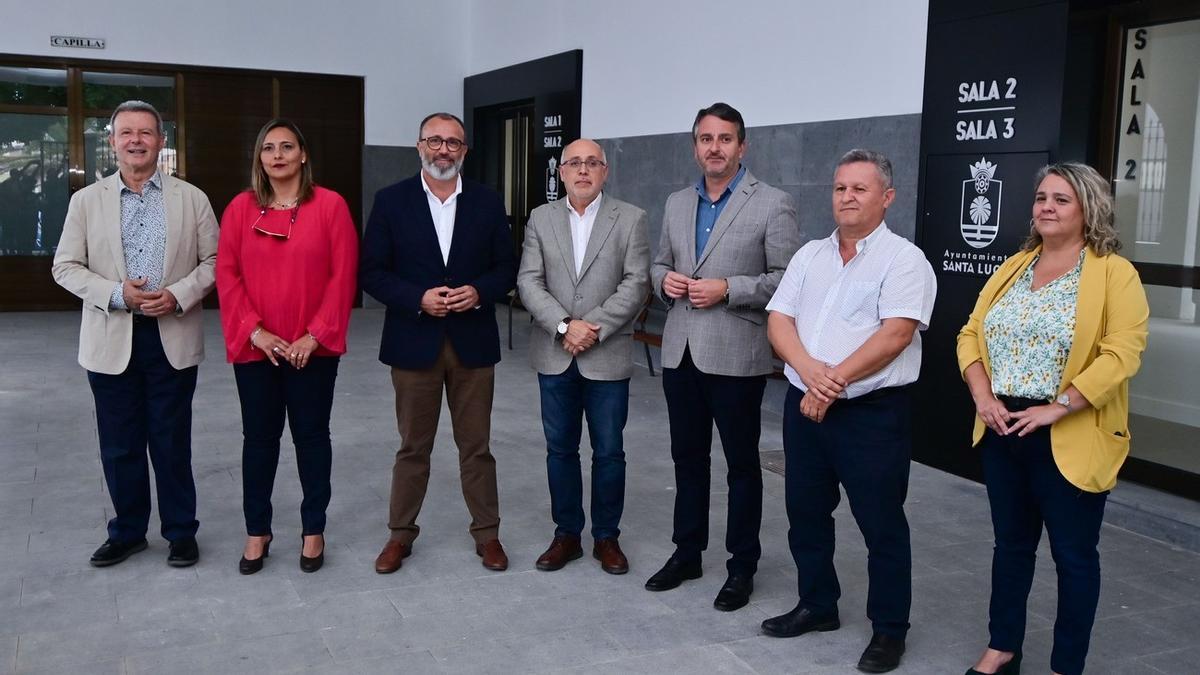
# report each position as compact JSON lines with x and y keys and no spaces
{"x":391,"y":557}
{"x":563,"y":550}
{"x":493,"y":555}
{"x":608,"y":552}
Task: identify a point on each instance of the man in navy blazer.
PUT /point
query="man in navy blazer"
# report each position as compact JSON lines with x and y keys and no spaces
{"x":438,"y":253}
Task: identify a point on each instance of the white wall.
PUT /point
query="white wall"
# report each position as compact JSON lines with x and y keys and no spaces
{"x":412,"y":54}
{"x":648,"y":66}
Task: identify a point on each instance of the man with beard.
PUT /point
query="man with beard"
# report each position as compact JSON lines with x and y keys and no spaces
{"x":437,"y":252}
{"x":725,"y":243}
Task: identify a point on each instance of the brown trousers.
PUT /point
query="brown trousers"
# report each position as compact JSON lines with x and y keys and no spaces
{"x":418,"y":406}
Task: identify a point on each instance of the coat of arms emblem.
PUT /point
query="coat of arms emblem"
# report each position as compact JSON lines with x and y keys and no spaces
{"x":980,"y":217}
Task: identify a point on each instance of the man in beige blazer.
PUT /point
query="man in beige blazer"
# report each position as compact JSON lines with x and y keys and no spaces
{"x":139,"y":248}
{"x":585,"y":274}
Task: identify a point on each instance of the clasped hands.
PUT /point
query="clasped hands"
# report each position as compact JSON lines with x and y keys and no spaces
{"x":296,"y":353}
{"x":703,"y":293}
{"x":581,"y":336}
{"x":997,"y":417}
{"x":824,"y":385}
{"x":442,"y":300}
{"x":150,"y":303}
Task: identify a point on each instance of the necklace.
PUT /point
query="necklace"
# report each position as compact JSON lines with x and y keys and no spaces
{"x":286,"y":205}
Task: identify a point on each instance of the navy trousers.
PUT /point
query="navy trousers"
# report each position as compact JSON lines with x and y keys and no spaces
{"x":1026,"y":490}
{"x":147,"y":406}
{"x":865,"y":445}
{"x":566,"y":399}
{"x":694,"y":401}
{"x":269,"y":394}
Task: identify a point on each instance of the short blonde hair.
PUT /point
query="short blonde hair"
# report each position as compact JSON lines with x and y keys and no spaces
{"x":1096,"y":200}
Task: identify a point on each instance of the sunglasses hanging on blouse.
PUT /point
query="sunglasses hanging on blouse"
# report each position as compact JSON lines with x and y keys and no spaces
{"x":261,"y":227}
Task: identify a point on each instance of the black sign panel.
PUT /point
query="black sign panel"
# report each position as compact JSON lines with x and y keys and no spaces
{"x":977,"y":209}
{"x":995,"y":83}
{"x":991,"y":119}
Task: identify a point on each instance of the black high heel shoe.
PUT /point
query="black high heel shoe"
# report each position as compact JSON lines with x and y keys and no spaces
{"x":313,"y":564}
{"x":1013,"y":667}
{"x":246,"y":566}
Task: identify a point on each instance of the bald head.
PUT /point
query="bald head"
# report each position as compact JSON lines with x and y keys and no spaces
{"x":581,"y":181}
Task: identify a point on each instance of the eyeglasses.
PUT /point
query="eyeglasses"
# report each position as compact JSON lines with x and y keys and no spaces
{"x":591,"y":163}
{"x":279,"y":235}
{"x":436,"y":142}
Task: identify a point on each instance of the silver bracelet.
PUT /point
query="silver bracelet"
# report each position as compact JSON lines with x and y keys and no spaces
{"x":254,"y":334}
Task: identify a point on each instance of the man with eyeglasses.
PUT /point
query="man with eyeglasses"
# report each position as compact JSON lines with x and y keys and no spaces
{"x":725,"y":243}
{"x":437,"y":252}
{"x":585,"y":273}
{"x":140,"y":249}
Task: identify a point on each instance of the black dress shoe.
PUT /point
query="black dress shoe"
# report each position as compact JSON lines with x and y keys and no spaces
{"x":735,"y":593}
{"x":184,"y":553}
{"x":882,"y":655}
{"x":113,"y":552}
{"x":313,"y":564}
{"x":673,"y":573}
{"x":247,"y":566}
{"x":800,"y":621}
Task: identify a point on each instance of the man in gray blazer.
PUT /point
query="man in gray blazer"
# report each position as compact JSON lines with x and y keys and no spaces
{"x":584,"y":277}
{"x":725,"y":244}
{"x":140,"y":249}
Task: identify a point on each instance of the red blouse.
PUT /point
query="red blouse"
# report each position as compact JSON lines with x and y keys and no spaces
{"x":303,"y":284}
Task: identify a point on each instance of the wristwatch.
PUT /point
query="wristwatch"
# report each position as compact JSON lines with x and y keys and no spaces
{"x":1064,"y":400}
{"x":561,"y":331}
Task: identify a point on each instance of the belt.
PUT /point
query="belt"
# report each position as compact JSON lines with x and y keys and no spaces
{"x":143,"y":319}
{"x":879,"y":393}
{"x":1014,"y":403}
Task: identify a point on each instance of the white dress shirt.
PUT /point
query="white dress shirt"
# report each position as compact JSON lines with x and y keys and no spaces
{"x":581,"y":229}
{"x":443,"y":215}
{"x":837,"y":307}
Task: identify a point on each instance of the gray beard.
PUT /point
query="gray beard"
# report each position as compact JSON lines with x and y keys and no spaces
{"x":441,"y":174}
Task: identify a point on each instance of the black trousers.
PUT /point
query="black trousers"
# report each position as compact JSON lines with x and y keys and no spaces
{"x":305,"y":397}
{"x":147,"y":406}
{"x":865,"y":445}
{"x":696,"y":400}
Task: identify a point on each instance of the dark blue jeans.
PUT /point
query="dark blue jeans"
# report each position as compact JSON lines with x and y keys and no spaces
{"x":148,"y":405}
{"x":269,"y":394}
{"x":695,"y":400}
{"x":1026,"y":489}
{"x":865,"y":445}
{"x":566,"y":399}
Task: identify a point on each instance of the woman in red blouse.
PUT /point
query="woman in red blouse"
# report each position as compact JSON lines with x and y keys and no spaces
{"x":286,"y":269}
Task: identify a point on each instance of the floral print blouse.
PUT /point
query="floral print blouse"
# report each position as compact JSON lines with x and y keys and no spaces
{"x":1029,"y":334}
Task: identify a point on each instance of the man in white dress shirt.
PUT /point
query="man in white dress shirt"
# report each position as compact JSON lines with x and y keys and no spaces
{"x":846,"y":320}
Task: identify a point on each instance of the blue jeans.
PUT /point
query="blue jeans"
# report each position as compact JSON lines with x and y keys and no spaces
{"x":566,"y":399}
{"x":268,"y":395}
{"x":1026,"y":490}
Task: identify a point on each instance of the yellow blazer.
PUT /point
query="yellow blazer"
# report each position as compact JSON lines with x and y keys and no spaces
{"x":90,"y":261}
{"x":1111,"y":315}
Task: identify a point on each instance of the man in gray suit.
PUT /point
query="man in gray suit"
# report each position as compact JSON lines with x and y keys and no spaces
{"x":584,"y":276}
{"x":725,"y":244}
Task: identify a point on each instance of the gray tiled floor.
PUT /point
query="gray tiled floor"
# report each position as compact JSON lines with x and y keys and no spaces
{"x":442,"y":611}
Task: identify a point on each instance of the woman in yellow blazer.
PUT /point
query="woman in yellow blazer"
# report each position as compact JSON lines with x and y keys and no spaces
{"x":1047,"y":354}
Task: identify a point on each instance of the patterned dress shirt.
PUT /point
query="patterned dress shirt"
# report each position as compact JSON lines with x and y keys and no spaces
{"x":143,"y":237}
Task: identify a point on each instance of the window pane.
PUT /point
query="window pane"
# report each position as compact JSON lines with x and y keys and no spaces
{"x":100,"y":160}
{"x":106,"y":91}
{"x":1164,"y":400}
{"x":1158,"y":154}
{"x":33,"y":86}
{"x":33,"y":183}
